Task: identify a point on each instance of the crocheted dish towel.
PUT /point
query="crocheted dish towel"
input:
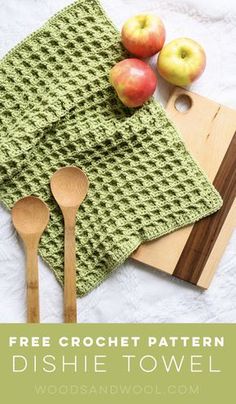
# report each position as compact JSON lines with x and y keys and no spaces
{"x":57,"y":108}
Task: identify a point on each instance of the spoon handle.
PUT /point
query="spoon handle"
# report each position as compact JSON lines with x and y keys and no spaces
{"x":70,"y":314}
{"x":32,"y":285}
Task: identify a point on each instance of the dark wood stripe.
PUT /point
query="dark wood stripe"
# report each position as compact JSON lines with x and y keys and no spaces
{"x":205,"y":232}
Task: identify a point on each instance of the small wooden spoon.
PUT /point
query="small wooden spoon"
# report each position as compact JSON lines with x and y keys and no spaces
{"x":69,"y":186}
{"x":30,"y":216}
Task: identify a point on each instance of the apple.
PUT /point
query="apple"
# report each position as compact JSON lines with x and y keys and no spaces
{"x":181,"y":61}
{"x":143,"y":35}
{"x":134,"y":81}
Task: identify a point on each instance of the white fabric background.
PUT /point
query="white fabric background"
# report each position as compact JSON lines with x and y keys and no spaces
{"x":133,"y":293}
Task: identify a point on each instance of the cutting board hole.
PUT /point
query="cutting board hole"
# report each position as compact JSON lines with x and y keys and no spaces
{"x":183,"y":103}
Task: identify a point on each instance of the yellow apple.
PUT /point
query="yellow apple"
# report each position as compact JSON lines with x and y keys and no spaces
{"x":181,"y":61}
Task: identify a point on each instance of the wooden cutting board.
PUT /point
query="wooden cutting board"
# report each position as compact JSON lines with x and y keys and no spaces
{"x":209,"y":132}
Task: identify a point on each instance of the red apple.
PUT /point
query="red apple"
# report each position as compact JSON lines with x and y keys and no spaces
{"x":134,"y":81}
{"x":143,"y":35}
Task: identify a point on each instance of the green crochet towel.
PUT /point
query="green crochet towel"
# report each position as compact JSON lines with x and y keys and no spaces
{"x":57,"y":108}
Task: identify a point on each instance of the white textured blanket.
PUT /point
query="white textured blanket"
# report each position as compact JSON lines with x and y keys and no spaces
{"x":133,"y":293}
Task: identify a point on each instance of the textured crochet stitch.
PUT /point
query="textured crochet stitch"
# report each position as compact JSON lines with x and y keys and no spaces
{"x":57,"y":108}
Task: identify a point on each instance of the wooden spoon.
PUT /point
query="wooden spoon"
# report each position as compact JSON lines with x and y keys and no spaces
{"x":30,"y":216}
{"x":69,"y":186}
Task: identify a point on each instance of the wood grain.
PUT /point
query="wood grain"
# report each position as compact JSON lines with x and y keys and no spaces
{"x":205,"y":233}
{"x":70,"y":311}
{"x":219,"y":246}
{"x":32,"y":282}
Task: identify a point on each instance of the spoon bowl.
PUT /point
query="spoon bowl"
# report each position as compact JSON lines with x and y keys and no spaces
{"x":69,"y":186}
{"x":30,"y":215}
